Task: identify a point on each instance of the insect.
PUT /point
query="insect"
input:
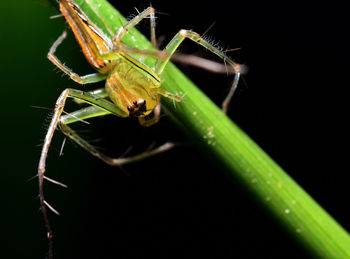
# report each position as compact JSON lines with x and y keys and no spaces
{"x":132,"y":88}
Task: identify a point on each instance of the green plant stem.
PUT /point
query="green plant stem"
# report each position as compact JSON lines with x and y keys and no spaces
{"x":236,"y":154}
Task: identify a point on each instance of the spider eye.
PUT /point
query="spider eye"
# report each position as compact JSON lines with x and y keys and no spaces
{"x":137,"y":108}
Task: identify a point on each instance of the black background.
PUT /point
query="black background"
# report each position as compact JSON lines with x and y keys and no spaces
{"x":178,"y":205}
